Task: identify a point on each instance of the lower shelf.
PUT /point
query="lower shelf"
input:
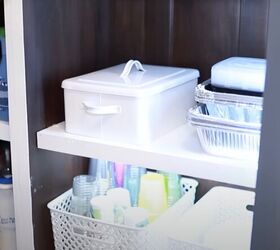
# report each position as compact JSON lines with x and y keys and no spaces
{"x":178,"y":151}
{"x":4,"y":131}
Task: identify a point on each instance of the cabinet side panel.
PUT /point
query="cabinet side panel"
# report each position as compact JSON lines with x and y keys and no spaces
{"x":266,"y":231}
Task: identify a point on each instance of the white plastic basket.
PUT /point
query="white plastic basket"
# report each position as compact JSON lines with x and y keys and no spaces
{"x":218,"y":207}
{"x":225,"y":137}
{"x":76,"y":232}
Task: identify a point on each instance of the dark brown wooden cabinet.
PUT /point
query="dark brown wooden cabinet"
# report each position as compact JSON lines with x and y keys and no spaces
{"x":62,"y":39}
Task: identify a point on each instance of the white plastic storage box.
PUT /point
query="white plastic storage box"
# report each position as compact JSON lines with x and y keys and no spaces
{"x":241,"y":73}
{"x":220,"y":220}
{"x":77,"y":232}
{"x":235,"y":105}
{"x":225,"y":137}
{"x":127,"y":104}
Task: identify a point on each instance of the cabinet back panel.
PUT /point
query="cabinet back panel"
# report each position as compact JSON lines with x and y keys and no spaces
{"x":253,"y":27}
{"x":60,"y":42}
{"x":68,"y":38}
{"x":205,"y":32}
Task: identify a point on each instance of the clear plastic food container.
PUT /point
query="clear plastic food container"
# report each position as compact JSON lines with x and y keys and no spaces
{"x":234,"y":105}
{"x":243,"y":73}
{"x":4,"y":111}
{"x":225,"y":137}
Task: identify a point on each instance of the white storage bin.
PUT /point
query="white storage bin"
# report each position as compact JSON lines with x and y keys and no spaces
{"x":225,"y":137}
{"x":220,"y":220}
{"x":240,"y":73}
{"x":127,"y":105}
{"x":76,"y":232}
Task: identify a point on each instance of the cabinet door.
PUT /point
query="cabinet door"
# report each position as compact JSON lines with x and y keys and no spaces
{"x":266,"y":230}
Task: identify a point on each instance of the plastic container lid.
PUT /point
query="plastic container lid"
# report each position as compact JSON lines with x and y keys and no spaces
{"x":6,"y":183}
{"x":124,"y":80}
{"x":240,"y":73}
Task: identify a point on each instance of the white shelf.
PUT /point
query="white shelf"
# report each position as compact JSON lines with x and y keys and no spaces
{"x":178,"y":151}
{"x":4,"y":131}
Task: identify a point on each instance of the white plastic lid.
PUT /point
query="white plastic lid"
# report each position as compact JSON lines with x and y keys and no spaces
{"x":241,"y":73}
{"x":6,"y":183}
{"x":6,"y":186}
{"x":126,"y":80}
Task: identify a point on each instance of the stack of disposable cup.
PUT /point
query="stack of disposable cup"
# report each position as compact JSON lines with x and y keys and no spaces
{"x":102,"y":208}
{"x":132,"y":182}
{"x":172,"y":183}
{"x":84,"y":188}
{"x":136,"y":217}
{"x":153,"y":195}
{"x":105,"y":176}
{"x":120,"y":170}
{"x":121,"y":200}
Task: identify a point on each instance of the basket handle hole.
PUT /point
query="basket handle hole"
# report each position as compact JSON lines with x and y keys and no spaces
{"x":250,"y":208}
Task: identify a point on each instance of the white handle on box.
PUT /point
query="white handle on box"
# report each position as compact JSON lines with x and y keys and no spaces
{"x":128,"y":67}
{"x":102,"y":110}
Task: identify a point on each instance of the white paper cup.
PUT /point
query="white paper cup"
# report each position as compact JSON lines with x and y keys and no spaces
{"x":121,"y":199}
{"x":102,"y":208}
{"x":136,"y":217}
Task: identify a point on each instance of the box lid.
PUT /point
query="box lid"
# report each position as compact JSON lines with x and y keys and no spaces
{"x":240,"y":73}
{"x":127,"y":80}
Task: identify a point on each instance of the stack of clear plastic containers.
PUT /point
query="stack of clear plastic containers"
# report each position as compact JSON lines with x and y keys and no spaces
{"x":228,"y":122}
{"x":4,"y":112}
